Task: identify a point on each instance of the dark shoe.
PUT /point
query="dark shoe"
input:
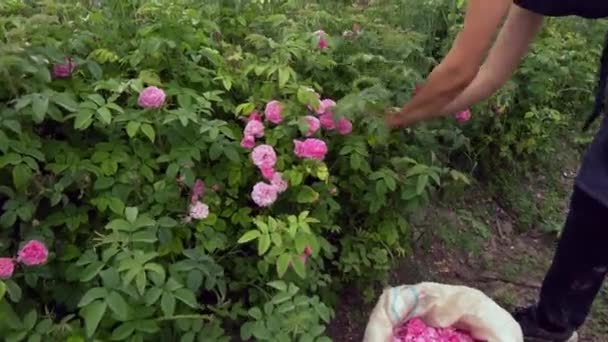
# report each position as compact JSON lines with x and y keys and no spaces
{"x":528,"y":320}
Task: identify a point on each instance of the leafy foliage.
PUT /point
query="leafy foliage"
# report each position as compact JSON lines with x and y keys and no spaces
{"x":106,"y":184}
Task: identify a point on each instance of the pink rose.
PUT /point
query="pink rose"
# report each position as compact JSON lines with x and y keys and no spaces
{"x":325,"y":106}
{"x":264,"y":156}
{"x":313,"y":125}
{"x":327,"y":121}
{"x":344,"y":126}
{"x":263,"y":194}
{"x":254,"y":128}
{"x":151,"y":97}
{"x":306,"y":254}
{"x":248,"y":141}
{"x":255,"y":116}
{"x":278,"y":182}
{"x":198,"y":190}
{"x":199,"y":211}
{"x":7,"y":267}
{"x":273,"y":112}
{"x":64,"y":70}
{"x":267,"y":172}
{"x":322,"y":43}
{"x":311,"y":149}
{"x":463,"y":116}
{"x":33,"y":253}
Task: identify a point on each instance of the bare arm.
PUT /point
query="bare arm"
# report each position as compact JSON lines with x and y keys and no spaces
{"x":511,"y":45}
{"x":461,"y":64}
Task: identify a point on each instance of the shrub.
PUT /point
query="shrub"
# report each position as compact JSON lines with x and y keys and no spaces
{"x":127,"y":152}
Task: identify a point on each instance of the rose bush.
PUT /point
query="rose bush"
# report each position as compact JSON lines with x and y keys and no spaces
{"x":187,"y":171}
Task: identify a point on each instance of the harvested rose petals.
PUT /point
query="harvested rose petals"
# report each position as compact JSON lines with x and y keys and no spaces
{"x":416,"y":330}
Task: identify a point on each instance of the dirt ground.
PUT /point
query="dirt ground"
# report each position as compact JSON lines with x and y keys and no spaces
{"x":478,"y":243}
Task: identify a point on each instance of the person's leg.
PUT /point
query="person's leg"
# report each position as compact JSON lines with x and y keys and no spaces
{"x":579,"y":267}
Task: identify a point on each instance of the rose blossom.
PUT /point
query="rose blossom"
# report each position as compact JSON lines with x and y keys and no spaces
{"x":310,"y":148}
{"x":151,"y":97}
{"x":248,"y":141}
{"x":278,"y":182}
{"x":322,"y":44}
{"x":327,"y":121}
{"x":199,"y":211}
{"x":33,"y":253}
{"x":463,"y":116}
{"x":313,"y":124}
{"x":255,"y":116}
{"x":254,"y":128}
{"x":344,"y":126}
{"x":264,"y":156}
{"x":64,"y":70}
{"x":263,"y":194}
{"x":273,"y":112}
{"x":7,"y":267}
{"x":325,"y":106}
{"x":198,"y":190}
{"x":267,"y":172}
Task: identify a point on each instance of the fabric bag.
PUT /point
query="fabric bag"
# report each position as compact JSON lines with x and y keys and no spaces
{"x":441,"y":306}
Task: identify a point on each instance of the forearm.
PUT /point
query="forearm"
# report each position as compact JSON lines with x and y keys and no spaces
{"x":459,"y":67}
{"x":511,"y":45}
{"x":437,"y":94}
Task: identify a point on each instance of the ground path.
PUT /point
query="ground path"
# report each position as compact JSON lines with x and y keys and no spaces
{"x":501,"y":245}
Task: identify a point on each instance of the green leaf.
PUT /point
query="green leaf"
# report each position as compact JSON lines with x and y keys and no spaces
{"x":118,"y":305}
{"x":21,"y":176}
{"x":283,"y":76}
{"x":94,"y":69}
{"x":283,"y":263}
{"x":91,"y":295}
{"x":40,"y":105}
{"x":10,"y":159}
{"x":123,"y":331}
{"x":299,"y":267}
{"x":263,"y":244}
{"x":103,"y":183}
{"x":2,"y":290}
{"x":421,"y":184}
{"x":148,"y":131}
{"x":187,"y":297}
{"x":279,"y":285}
{"x":84,"y":119}
{"x":194,"y":280}
{"x":132,"y":128}
{"x":249,"y":236}
{"x":188,"y":337}
{"x":307,"y":195}
{"x":150,"y":77}
{"x":92,"y":315}
{"x":105,"y":115}
{"x":65,"y":100}
{"x":91,"y":271}
{"x":167,"y":304}
{"x":29,"y":321}
{"x":232,"y":154}
{"x":14,"y":291}
{"x":167,"y":222}
{"x":256,"y":313}
{"x":120,"y":224}
{"x":416,"y":170}
{"x":131,"y":214}
{"x":16,"y":336}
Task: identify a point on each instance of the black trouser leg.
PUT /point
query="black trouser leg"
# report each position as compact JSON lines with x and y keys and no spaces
{"x":579,"y":266}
